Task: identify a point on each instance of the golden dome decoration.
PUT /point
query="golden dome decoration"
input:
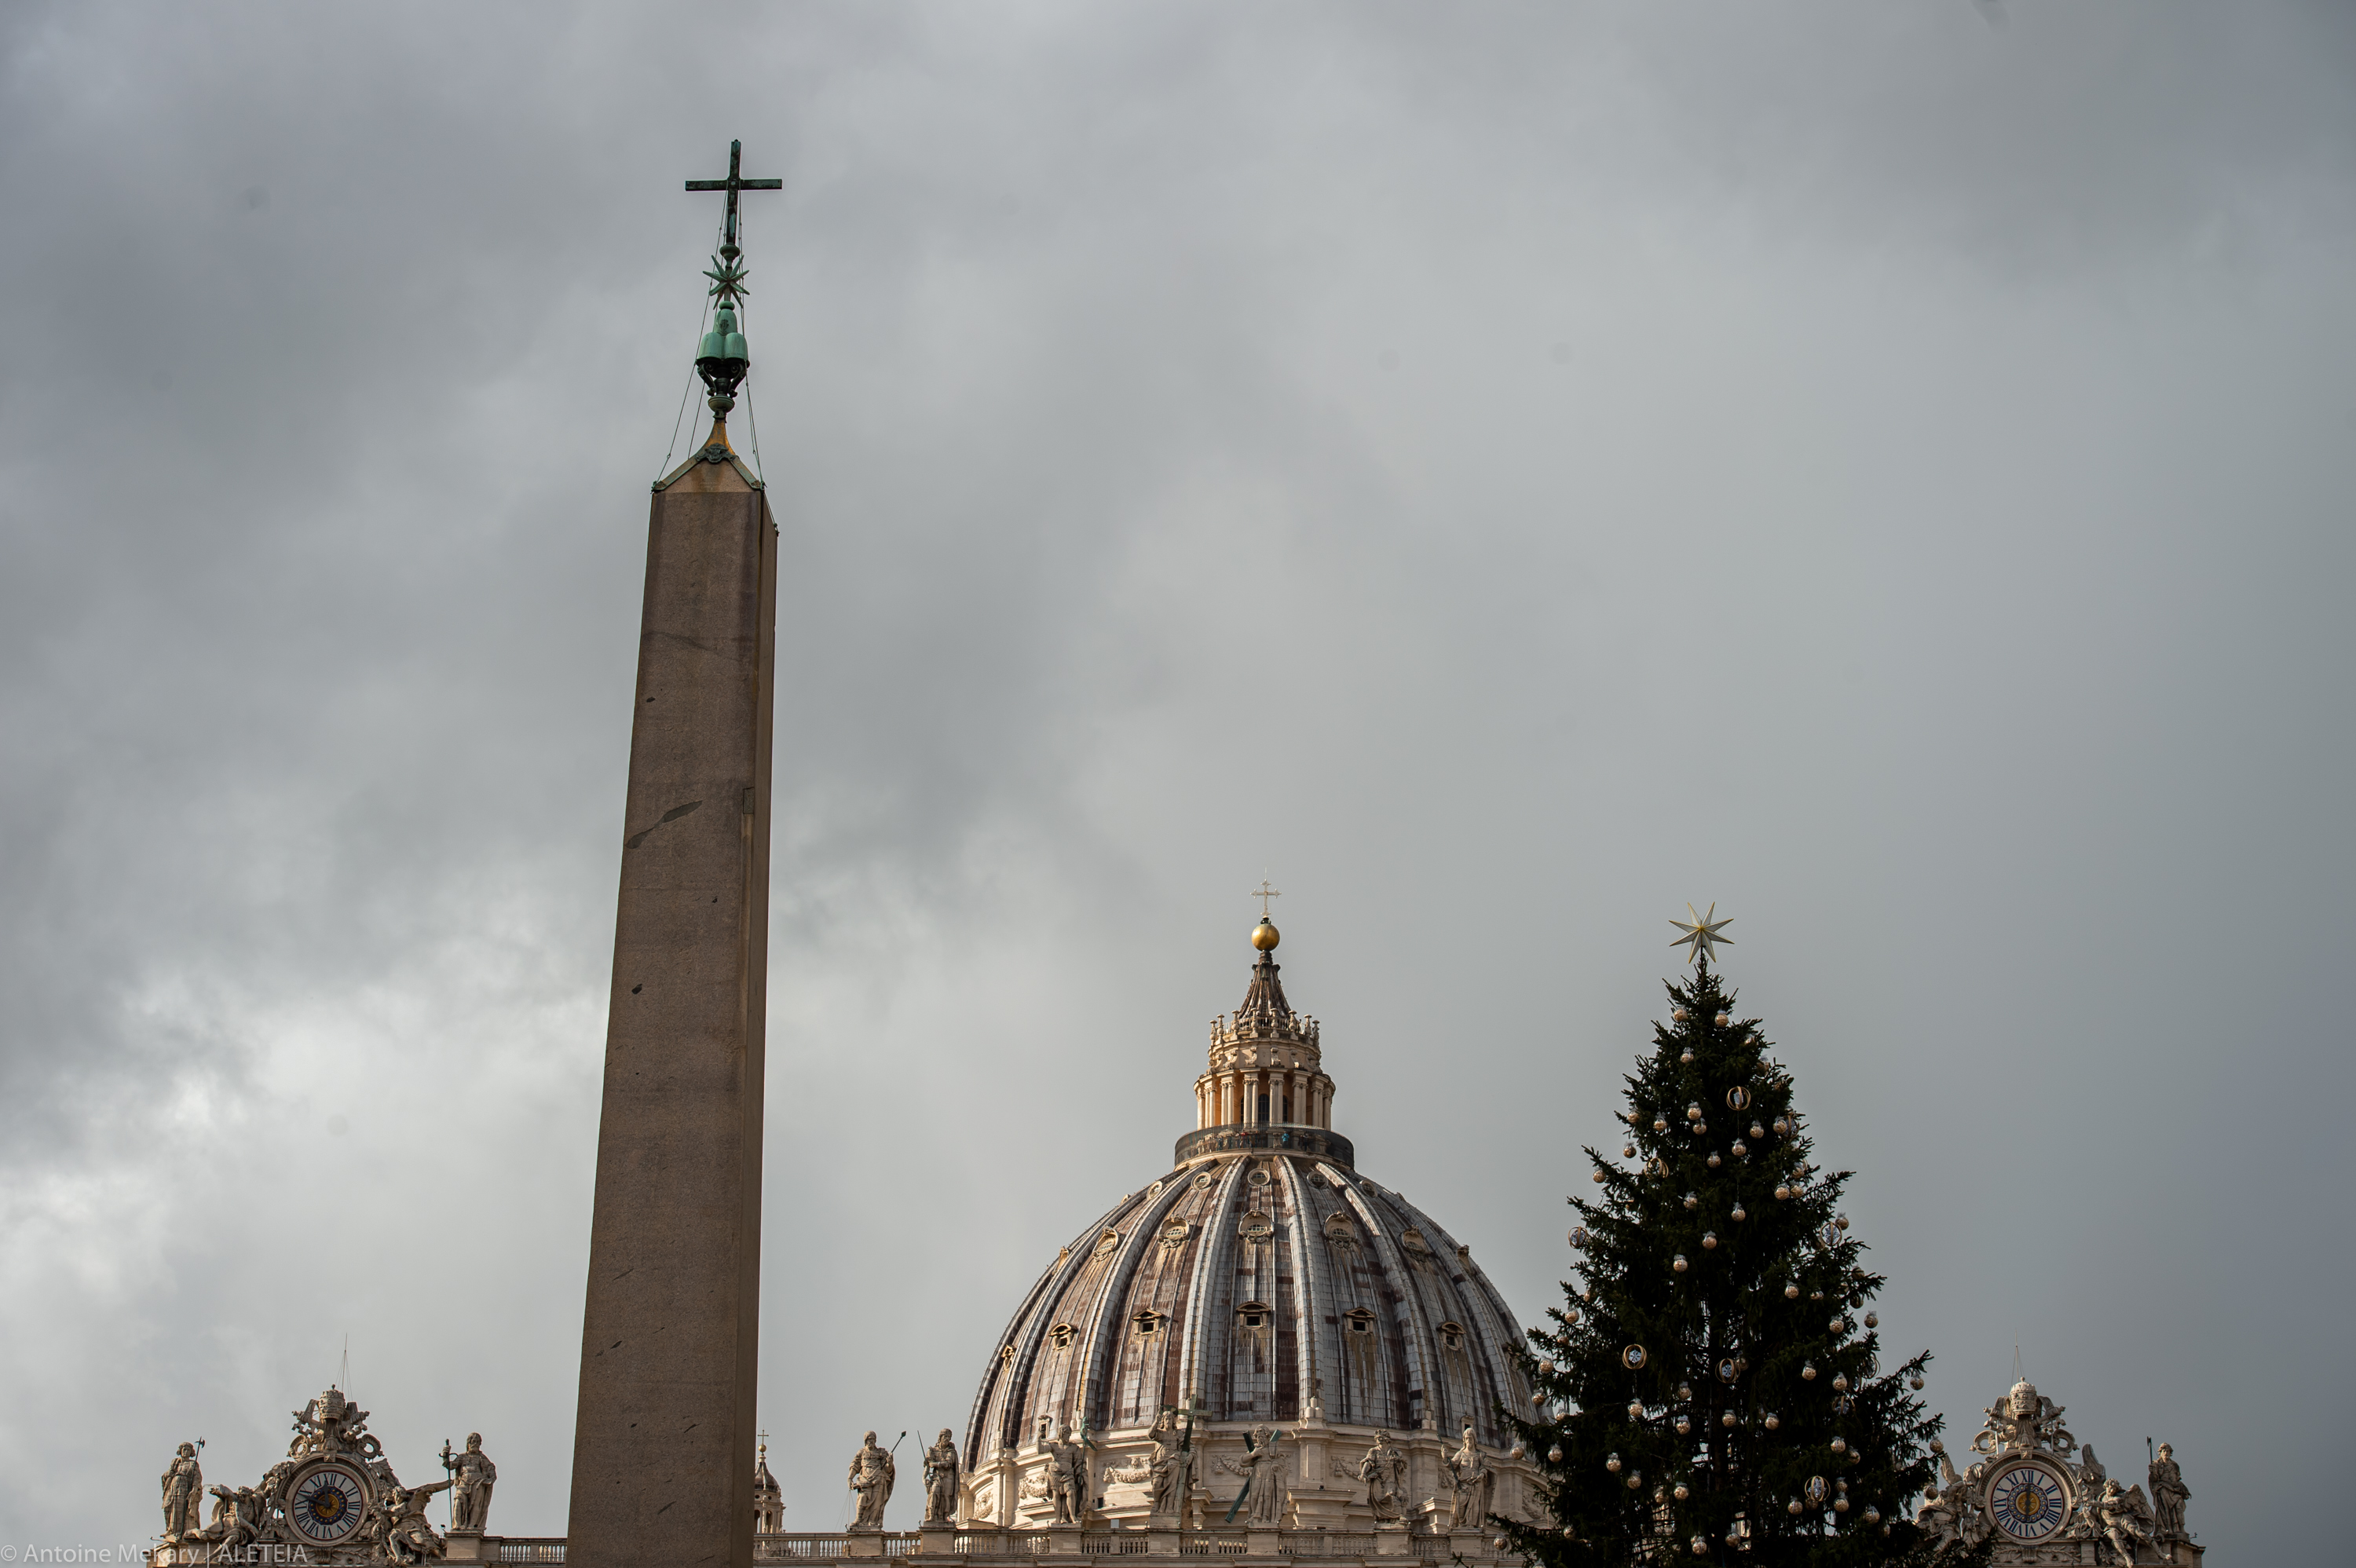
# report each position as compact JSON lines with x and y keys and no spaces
{"x":1264,"y":935}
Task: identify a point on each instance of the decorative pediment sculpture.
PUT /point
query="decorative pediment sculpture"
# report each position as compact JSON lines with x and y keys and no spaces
{"x":2035,"y":1484}
{"x":333,"y":1495}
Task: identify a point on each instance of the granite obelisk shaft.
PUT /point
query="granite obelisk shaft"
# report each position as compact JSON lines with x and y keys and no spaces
{"x":662,"y":1453}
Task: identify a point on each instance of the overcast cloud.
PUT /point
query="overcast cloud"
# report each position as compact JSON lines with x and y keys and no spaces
{"x":1502,"y":471}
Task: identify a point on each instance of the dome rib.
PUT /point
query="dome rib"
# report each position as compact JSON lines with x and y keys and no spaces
{"x":1101,"y":1371}
{"x":1306,"y":1377}
{"x":1407,"y":1316}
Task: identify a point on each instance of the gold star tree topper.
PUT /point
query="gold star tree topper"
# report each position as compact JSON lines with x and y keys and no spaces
{"x":1701,"y":935}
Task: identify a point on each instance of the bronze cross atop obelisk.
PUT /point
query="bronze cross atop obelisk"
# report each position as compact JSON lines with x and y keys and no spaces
{"x":732,"y":185}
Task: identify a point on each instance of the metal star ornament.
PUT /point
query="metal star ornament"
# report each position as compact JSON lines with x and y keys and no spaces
{"x":728,"y":281}
{"x":1701,"y":935}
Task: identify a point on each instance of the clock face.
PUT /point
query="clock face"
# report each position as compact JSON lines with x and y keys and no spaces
{"x":2028,"y":1503}
{"x":328,"y":1505}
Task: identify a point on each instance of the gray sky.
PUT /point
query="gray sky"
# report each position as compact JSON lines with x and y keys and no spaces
{"x":1502,"y":471}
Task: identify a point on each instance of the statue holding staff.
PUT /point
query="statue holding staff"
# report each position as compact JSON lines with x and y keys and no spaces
{"x":472,"y":1475}
{"x":941,"y":1480}
{"x":872,"y":1475}
{"x":184,"y":1493}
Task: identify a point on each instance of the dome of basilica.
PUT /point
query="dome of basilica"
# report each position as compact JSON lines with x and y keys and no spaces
{"x":1262,"y":1281}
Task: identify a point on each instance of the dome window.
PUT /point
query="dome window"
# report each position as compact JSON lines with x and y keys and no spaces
{"x":1453,"y":1336}
{"x":1254,"y":1316}
{"x":1258,"y":1227}
{"x":1342,"y":1236}
{"x":1360,"y":1321}
{"x":1148,"y":1323}
{"x":1061,"y":1334}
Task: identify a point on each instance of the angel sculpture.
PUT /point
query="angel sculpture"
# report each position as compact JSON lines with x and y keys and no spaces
{"x":402,"y":1528}
{"x":2125,"y":1519}
{"x":236,"y":1520}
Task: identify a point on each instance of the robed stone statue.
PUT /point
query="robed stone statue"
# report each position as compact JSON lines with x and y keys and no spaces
{"x":1472,"y":1478}
{"x":184,"y":1493}
{"x":1262,"y":1469}
{"x":941,"y":1480}
{"x":1384,"y":1469}
{"x":871,"y":1474}
{"x":1167,"y":1467}
{"x":472,"y":1475}
{"x":2169,"y":1493}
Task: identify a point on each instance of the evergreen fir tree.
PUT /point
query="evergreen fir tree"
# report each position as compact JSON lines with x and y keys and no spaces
{"x":1711,"y":1387}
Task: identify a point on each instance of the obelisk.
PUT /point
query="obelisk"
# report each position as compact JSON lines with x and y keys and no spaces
{"x":662,"y":1446}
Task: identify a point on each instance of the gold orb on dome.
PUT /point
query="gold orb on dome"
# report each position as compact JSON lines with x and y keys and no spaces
{"x":1264,"y":936}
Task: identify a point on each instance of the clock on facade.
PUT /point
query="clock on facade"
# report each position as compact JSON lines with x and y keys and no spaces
{"x":327,"y":1504}
{"x":2027,"y":1501}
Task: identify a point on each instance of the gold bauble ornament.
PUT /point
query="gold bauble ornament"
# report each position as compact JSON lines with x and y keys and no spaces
{"x":1263,"y":937}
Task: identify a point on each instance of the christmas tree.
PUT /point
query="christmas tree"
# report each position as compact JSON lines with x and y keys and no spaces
{"x":1711,"y":1387}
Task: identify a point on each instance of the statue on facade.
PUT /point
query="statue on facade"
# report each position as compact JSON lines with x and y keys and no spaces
{"x":2169,"y":1493}
{"x":1263,"y":1467}
{"x":1067,"y":1477}
{"x":184,"y":1493}
{"x":237,"y":1518}
{"x":472,"y":1475}
{"x":1472,"y":1481}
{"x":941,"y":1480}
{"x":1167,"y":1469}
{"x":1384,"y":1469}
{"x":872,"y":1475}
{"x":2125,"y":1518}
{"x":1936,"y":1516}
{"x":401,"y":1531}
